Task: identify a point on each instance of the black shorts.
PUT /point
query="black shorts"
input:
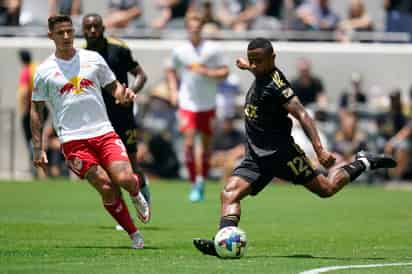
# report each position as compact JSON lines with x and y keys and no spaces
{"x":289,"y":163}
{"x":128,"y":131}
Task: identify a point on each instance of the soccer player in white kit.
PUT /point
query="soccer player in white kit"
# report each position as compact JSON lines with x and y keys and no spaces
{"x":72,"y":81}
{"x":198,"y":66}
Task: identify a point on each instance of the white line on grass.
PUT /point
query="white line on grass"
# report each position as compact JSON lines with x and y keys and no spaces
{"x":332,"y":268}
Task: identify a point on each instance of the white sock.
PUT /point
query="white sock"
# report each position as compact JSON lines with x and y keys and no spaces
{"x":366,"y":163}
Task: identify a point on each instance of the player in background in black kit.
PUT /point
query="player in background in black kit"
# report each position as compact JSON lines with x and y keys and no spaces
{"x":119,"y":58}
{"x":270,"y":149}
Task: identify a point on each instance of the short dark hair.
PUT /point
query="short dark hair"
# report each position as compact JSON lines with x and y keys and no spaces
{"x":92,"y":14}
{"x":53,"y":20}
{"x":260,"y":43}
{"x":25,"y":56}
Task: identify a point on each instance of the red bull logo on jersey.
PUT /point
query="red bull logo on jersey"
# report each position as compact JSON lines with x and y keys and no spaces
{"x":76,"y":85}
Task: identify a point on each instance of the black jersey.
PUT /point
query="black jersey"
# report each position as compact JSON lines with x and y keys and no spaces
{"x":119,"y":58}
{"x":268,"y":126}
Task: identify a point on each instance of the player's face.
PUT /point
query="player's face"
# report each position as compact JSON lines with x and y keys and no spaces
{"x":92,"y":28}
{"x":194,"y":28}
{"x":63,"y":36}
{"x":261,"y":61}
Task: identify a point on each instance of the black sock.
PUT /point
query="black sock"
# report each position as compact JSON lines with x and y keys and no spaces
{"x":354,"y":169}
{"x":229,"y":220}
{"x":142,"y":179}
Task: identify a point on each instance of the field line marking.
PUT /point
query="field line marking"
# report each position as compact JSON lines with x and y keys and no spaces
{"x":332,"y":268}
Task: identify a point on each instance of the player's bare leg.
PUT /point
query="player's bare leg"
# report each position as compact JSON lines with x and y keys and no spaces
{"x":121,"y":173}
{"x":402,"y":156}
{"x":205,"y":142}
{"x":233,"y":192}
{"x":114,"y":203}
{"x":339,"y":177}
{"x":190,"y":162}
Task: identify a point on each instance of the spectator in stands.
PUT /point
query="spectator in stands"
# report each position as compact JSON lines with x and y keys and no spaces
{"x":237,"y":15}
{"x":56,"y":166}
{"x":156,"y":154}
{"x":33,"y":13}
{"x":357,"y":20}
{"x":123,"y":14}
{"x":211,"y":24}
{"x":269,"y":15}
{"x":308,"y":87}
{"x":172,"y":14}
{"x":398,"y":15}
{"x":10,"y":12}
{"x":65,"y":7}
{"x":25,"y":89}
{"x":71,"y":8}
{"x":349,"y":139}
{"x":399,"y":134}
{"x":316,"y":15}
{"x":227,"y":147}
{"x":355,"y":96}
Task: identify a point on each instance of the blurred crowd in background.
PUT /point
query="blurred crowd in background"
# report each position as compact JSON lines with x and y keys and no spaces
{"x":358,"y":120}
{"x":238,"y":16}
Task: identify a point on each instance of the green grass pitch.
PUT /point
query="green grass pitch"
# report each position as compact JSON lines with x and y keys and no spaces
{"x":61,"y":227}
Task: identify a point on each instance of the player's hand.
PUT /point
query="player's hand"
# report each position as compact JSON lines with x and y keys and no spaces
{"x":174,"y":98}
{"x":242,"y":64}
{"x":326,"y":158}
{"x":40,"y":158}
{"x":126,"y":96}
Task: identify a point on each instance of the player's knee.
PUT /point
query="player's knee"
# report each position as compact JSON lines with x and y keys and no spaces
{"x":326,"y":192}
{"x":230,"y":193}
{"x":109,"y":194}
{"x":124,"y":178}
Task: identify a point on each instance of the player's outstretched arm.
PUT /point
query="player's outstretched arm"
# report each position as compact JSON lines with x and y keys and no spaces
{"x":172,"y":81}
{"x":36,"y":125}
{"x":297,"y":110}
{"x":140,"y":79}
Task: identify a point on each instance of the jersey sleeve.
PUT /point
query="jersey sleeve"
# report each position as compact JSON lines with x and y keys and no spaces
{"x":130,"y":62}
{"x":218,"y":58}
{"x":105,"y":74}
{"x":281,"y":87}
{"x":174,"y":61}
{"x":40,"y":90}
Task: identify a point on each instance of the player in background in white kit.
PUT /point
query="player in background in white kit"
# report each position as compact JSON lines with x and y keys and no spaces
{"x":195,"y":70}
{"x":72,"y":81}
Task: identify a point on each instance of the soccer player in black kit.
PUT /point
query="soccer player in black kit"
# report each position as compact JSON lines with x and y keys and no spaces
{"x":119,"y":58}
{"x":270,"y":149}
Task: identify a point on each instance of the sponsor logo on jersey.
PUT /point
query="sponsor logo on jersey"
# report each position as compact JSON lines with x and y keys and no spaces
{"x":278,"y":80}
{"x":76,"y":85}
{"x":251,"y":111}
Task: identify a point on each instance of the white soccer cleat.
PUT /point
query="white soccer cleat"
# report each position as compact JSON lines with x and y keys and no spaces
{"x":142,"y":208}
{"x":137,"y":240}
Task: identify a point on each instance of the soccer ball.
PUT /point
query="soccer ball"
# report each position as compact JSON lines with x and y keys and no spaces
{"x":230,"y":242}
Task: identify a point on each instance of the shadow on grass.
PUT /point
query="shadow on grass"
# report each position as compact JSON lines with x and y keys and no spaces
{"x":106,"y":247}
{"x":308,"y":256}
{"x":146,"y":227}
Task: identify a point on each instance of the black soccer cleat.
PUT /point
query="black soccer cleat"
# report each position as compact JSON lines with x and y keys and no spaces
{"x":376,"y":161}
{"x":205,"y":246}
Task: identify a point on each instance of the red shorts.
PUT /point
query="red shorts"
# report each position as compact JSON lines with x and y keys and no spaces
{"x":81,"y":155}
{"x":201,"y":120}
